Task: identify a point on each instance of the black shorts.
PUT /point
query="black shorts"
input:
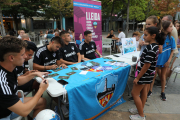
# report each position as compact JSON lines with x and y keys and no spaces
{"x":144,"y":81}
{"x":27,"y":87}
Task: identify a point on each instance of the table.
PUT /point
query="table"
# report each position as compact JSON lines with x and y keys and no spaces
{"x":94,"y":93}
{"x":127,"y":58}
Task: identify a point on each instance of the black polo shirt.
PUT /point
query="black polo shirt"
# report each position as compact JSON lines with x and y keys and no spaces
{"x":45,"y":57}
{"x":21,"y":69}
{"x":69,"y":52}
{"x":88,"y":50}
{"x":8,"y":91}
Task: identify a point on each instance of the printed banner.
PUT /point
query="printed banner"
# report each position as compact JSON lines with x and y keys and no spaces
{"x":87,"y":16}
{"x":128,"y":45}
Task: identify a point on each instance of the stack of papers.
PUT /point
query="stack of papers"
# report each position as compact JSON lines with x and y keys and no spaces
{"x":121,"y":64}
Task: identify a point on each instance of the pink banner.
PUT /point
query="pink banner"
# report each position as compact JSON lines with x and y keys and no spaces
{"x":87,"y":16}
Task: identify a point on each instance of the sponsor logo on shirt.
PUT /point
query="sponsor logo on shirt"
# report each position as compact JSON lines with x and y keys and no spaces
{"x":72,"y":47}
{"x":90,"y":51}
{"x":64,"y":50}
{"x":46,"y":58}
{"x":70,"y":54}
{"x":86,"y":48}
{"x":54,"y":54}
{"x":50,"y":63}
{"x":92,"y":46}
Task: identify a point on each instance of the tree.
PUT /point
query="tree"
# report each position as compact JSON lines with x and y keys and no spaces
{"x":58,"y":9}
{"x":110,"y":8}
{"x":28,"y":8}
{"x":166,"y":7}
{"x":2,"y":4}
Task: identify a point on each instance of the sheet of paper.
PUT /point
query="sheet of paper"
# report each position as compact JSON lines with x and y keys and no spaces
{"x":83,"y":72}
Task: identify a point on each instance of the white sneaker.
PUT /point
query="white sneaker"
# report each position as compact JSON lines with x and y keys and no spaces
{"x":133,"y":111}
{"x":136,"y":117}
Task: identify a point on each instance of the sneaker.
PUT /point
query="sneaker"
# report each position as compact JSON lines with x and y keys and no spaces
{"x":149,"y":94}
{"x":131,"y":98}
{"x":137,"y":117}
{"x":133,"y":111}
{"x":163,"y":97}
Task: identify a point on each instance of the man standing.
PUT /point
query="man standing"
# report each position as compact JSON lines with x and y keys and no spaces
{"x":69,"y":54}
{"x":47,"y":57}
{"x":12,"y":54}
{"x":88,"y":47}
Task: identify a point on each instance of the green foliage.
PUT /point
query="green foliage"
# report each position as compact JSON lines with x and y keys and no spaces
{"x":59,"y":8}
{"x":137,"y":9}
{"x":28,"y":8}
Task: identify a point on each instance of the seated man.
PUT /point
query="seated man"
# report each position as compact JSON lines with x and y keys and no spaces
{"x":50,"y":35}
{"x":25,"y":37}
{"x":24,"y":73}
{"x":88,"y":47}
{"x":118,"y":39}
{"x":12,"y":54}
{"x":21,"y":32}
{"x":47,"y":57}
{"x":69,"y":53}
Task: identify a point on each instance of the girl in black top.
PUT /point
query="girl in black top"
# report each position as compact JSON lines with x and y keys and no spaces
{"x":145,"y":70}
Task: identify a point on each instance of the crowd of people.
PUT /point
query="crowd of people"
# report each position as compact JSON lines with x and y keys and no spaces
{"x":158,"y":48}
{"x":15,"y":53}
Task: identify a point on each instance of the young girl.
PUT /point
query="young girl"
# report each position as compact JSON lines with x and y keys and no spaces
{"x":150,"y":21}
{"x":166,"y":56}
{"x":145,"y":71}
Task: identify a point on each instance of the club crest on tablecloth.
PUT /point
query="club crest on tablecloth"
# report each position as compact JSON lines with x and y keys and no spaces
{"x":105,"y":89}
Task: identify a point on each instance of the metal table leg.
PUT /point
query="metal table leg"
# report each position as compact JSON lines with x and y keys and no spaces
{"x":59,"y":106}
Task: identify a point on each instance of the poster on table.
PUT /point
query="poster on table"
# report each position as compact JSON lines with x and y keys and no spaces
{"x":87,"y":16}
{"x":128,"y":45}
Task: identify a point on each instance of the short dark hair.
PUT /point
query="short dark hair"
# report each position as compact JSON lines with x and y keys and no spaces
{"x":63,"y":33}
{"x":30,"y":46}
{"x":50,"y":32}
{"x":11,"y":44}
{"x":120,"y":29}
{"x":87,"y":32}
{"x":170,"y":18}
{"x":58,"y":40}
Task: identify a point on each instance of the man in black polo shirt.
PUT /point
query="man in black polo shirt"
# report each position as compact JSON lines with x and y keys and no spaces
{"x":69,"y":54}
{"x":88,"y":47}
{"x":24,"y":72}
{"x":12,"y":54}
{"x":48,"y":57}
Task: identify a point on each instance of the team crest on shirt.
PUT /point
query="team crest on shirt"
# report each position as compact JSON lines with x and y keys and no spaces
{"x":86,"y":48}
{"x":167,"y":43}
{"x":92,"y":46}
{"x":54,"y":54}
{"x":64,"y":50}
{"x":72,"y":47}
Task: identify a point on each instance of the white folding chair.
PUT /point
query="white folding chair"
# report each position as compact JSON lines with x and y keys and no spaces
{"x":176,"y":70}
{"x":106,"y":43}
{"x":20,"y":117}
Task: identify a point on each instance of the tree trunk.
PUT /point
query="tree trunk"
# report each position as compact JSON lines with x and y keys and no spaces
{"x":2,"y":26}
{"x":112,"y":10}
{"x":15,"y":22}
{"x":127,"y":22}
